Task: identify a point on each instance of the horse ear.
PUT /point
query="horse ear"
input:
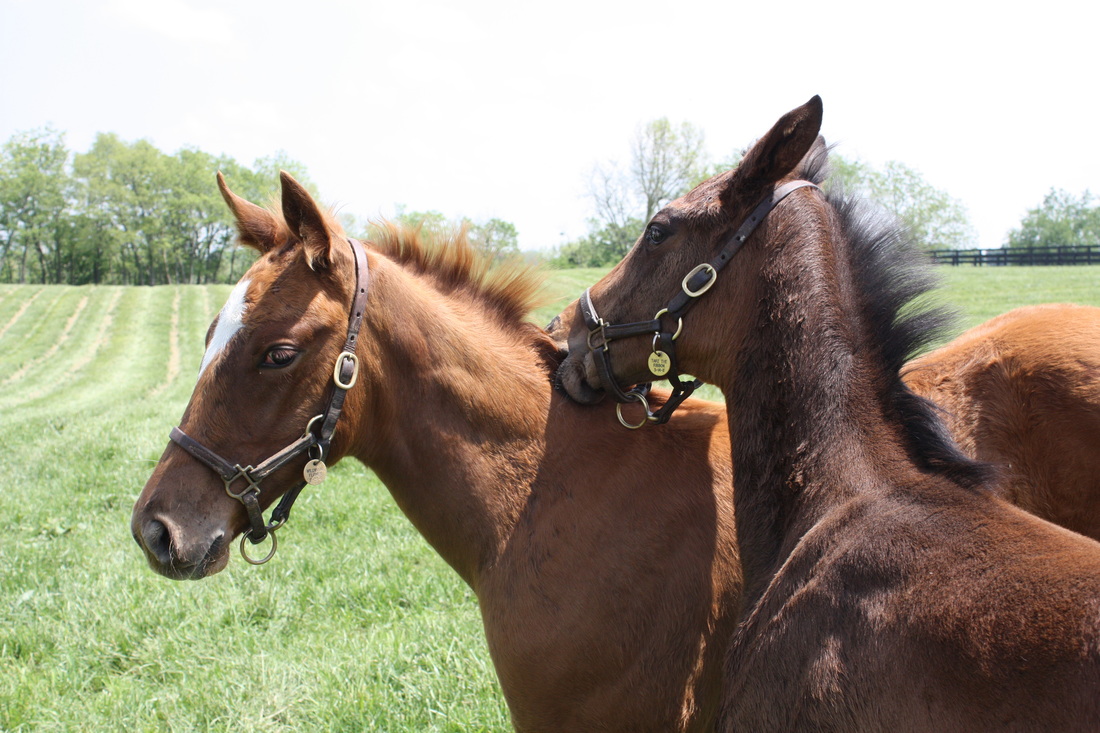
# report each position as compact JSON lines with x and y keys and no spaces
{"x":256,"y":225}
{"x":306,"y":221}
{"x":780,"y":151}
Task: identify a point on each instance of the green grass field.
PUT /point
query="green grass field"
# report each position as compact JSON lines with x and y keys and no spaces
{"x":355,"y":625}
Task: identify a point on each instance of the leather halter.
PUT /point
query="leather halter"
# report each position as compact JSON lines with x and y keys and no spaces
{"x":698,"y":281}
{"x":315,"y":440}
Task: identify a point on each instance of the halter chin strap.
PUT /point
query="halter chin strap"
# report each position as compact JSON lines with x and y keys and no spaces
{"x":316,"y":439}
{"x":663,"y":362}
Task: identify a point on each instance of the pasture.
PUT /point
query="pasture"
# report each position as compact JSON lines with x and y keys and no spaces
{"x":355,"y":625}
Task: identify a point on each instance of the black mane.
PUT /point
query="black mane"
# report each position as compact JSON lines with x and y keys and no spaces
{"x":893,"y":277}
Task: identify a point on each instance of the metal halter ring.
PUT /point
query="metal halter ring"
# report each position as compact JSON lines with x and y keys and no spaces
{"x":679,"y":323}
{"x":309,"y":425}
{"x":269,"y":555}
{"x":645,"y":406}
{"x":704,"y":288}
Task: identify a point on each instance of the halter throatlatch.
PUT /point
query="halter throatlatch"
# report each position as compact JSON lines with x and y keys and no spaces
{"x":662,"y":362}
{"x":315,"y":441}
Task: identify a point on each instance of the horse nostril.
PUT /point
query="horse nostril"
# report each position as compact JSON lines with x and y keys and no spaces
{"x":157,"y":540}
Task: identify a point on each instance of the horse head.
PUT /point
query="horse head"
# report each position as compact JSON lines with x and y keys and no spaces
{"x":676,"y":260}
{"x":267,"y":374}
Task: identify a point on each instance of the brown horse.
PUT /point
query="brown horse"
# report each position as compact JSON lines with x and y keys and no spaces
{"x":1022,"y":392}
{"x":608,"y":597}
{"x":886,"y":586}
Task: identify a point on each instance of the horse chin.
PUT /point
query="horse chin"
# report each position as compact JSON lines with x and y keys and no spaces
{"x":578,"y":379}
{"x":213,"y":562}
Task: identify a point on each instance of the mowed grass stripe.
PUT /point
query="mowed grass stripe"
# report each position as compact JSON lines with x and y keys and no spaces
{"x":115,"y":362}
{"x":32,"y":332}
{"x":105,"y":307}
{"x":62,"y":371}
{"x":172,"y":366}
{"x":980,"y":293}
{"x":6,"y":291}
{"x":12,"y":308}
{"x":57,"y":344}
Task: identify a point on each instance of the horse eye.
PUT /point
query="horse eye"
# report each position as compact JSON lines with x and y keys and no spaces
{"x":278,"y":357}
{"x":655,"y":234}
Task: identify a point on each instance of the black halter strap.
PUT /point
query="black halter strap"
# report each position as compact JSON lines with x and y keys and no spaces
{"x":316,"y":439}
{"x":698,"y":281}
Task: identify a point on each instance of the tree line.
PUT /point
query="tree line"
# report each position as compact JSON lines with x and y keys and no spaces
{"x":121,"y":213}
{"x":128,"y":213}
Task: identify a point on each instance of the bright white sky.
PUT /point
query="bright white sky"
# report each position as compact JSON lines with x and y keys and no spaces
{"x":501,"y":108}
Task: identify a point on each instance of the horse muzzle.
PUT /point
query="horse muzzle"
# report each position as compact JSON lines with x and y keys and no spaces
{"x":173,"y":555}
{"x":578,"y":377}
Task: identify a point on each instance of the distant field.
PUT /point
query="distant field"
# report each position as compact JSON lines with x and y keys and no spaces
{"x":356,"y":624}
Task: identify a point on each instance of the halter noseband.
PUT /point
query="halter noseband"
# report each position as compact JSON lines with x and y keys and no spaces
{"x":662,"y":362}
{"x":315,"y":440}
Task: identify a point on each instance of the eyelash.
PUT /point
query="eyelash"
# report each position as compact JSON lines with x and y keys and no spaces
{"x":655,"y":234}
{"x":286,"y":357}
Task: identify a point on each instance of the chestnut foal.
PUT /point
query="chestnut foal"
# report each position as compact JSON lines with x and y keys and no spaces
{"x":608,"y":588}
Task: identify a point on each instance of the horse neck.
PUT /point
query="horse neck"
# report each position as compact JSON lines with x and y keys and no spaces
{"x":803,"y":408}
{"x":456,"y":412}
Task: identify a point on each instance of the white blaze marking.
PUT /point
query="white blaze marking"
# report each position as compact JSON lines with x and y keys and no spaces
{"x":230,"y":320}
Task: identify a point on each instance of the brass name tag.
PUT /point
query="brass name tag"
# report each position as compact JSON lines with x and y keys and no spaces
{"x":315,"y":471}
{"x":659,"y":363}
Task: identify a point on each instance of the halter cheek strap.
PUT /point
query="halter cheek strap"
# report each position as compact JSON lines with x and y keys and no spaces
{"x":694,"y":284}
{"x":316,"y":440}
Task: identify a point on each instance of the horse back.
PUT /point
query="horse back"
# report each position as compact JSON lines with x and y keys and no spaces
{"x":1022,"y":391}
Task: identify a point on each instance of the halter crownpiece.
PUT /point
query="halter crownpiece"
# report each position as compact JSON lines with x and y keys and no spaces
{"x":662,"y":361}
{"x":316,"y":440}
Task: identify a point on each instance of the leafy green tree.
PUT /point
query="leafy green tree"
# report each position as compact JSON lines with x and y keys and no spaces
{"x":496,"y":239}
{"x":937,"y":220}
{"x":665,"y":159}
{"x":34,"y":190}
{"x":604,"y":245}
{"x":260,"y":183}
{"x":198,"y":226}
{"x":1062,"y":220}
{"x":431,"y":223}
{"x":128,"y":184}
{"x":123,"y":212}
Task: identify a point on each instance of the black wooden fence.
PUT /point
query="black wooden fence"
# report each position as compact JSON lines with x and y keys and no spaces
{"x":1079,"y":255}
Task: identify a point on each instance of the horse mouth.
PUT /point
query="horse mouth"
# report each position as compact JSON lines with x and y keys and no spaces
{"x":577,"y":377}
{"x":171,"y":563}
